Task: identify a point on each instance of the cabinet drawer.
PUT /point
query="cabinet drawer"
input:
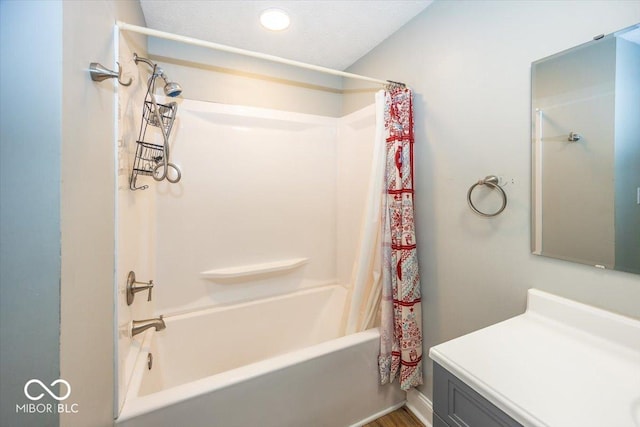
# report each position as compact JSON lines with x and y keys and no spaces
{"x":459,"y":405}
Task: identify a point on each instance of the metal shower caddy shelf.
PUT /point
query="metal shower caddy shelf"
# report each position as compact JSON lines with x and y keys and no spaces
{"x":152,"y":159}
{"x":149,"y":156}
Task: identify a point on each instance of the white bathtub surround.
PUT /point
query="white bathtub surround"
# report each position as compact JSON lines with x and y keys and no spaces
{"x":245,"y":272}
{"x":136,"y":225}
{"x":224,"y":338}
{"x":258,"y":187}
{"x":239,"y":375}
{"x":254,"y":249}
{"x":561,"y":363}
{"x":253,"y":181}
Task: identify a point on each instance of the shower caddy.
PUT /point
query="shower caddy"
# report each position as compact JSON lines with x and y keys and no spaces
{"x":152,"y":159}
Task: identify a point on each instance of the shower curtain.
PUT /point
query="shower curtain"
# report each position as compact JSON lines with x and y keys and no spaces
{"x":367,"y":272}
{"x":386,"y":279}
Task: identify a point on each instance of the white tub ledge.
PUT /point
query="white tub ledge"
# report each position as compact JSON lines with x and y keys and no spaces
{"x":250,"y":271}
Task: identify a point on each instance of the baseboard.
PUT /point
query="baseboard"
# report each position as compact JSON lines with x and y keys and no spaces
{"x":421,"y":407}
{"x":380,"y":414}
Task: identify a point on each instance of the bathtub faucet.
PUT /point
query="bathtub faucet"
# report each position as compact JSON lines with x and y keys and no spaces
{"x":142,"y":325}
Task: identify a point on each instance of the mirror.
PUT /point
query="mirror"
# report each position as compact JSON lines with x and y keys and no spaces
{"x":586,"y":153}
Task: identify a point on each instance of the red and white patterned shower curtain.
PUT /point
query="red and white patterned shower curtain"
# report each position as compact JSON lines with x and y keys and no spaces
{"x":401,"y":316}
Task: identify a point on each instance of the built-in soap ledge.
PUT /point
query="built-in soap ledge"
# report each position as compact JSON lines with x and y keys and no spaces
{"x":253,"y":270}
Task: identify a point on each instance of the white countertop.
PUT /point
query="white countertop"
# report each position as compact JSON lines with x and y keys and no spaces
{"x":560,"y":364}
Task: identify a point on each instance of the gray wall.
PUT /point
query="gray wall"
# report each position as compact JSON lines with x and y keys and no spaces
{"x":57,"y":209}
{"x":30,"y":138}
{"x":627,"y":154}
{"x":469,"y":64}
{"x":88,"y":209}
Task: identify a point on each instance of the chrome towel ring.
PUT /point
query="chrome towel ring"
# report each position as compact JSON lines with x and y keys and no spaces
{"x":491,"y":181}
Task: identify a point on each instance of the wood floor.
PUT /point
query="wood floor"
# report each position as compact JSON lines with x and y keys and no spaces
{"x":399,"y":418}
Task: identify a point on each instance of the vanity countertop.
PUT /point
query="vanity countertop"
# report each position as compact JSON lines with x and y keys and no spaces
{"x":560,"y":364}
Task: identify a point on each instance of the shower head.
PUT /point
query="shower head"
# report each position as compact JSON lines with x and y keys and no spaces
{"x":171,"y":89}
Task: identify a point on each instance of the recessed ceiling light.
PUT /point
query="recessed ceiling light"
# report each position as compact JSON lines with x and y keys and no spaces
{"x":274,"y":19}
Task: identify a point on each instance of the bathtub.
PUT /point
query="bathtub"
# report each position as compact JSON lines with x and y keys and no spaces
{"x":279,"y":361}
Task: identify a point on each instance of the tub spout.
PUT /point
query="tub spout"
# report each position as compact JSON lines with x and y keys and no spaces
{"x":142,"y":325}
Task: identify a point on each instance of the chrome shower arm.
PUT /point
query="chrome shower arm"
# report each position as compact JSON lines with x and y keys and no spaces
{"x":157,"y":71}
{"x":171,"y":89}
{"x":137,"y":59}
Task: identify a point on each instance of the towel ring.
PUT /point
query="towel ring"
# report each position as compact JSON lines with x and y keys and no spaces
{"x":491,"y":181}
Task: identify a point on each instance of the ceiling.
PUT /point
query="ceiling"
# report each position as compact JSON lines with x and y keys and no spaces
{"x":332,"y":34}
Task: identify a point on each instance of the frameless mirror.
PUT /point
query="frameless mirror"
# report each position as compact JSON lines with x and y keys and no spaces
{"x":586,"y":153}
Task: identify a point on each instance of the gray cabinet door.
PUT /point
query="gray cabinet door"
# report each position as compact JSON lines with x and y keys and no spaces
{"x":458,"y":405}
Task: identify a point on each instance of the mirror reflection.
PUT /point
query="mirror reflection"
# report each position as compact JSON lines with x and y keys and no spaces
{"x":586,"y":153}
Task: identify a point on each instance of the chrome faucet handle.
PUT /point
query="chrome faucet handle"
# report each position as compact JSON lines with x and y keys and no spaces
{"x":134,"y":287}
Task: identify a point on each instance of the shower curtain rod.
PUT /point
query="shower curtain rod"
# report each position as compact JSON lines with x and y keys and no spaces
{"x":216,"y":46}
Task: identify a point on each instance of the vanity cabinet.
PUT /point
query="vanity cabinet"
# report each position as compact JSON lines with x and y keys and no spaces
{"x":561,"y":363}
{"x":455,"y":404}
